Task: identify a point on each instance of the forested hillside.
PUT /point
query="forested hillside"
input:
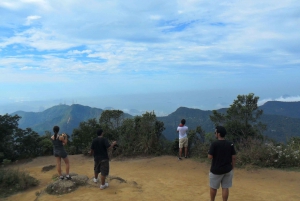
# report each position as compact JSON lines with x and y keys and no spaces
{"x":282,"y":119}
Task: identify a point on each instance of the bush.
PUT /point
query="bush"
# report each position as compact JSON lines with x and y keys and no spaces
{"x":12,"y":181}
{"x":6,"y":162}
{"x":254,"y":152}
{"x":268,"y":154}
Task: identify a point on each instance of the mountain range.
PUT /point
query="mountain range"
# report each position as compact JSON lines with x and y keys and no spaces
{"x":282,"y":119}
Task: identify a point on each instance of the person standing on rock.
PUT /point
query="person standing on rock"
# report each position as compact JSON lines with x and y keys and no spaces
{"x":101,"y":161}
{"x":59,"y":152}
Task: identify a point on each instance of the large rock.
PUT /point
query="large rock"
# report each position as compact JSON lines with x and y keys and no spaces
{"x":66,"y":186}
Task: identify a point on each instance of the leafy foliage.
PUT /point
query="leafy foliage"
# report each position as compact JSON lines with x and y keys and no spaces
{"x":8,"y":126}
{"x":17,"y":143}
{"x":84,"y":135}
{"x":138,"y":135}
{"x":241,"y":118}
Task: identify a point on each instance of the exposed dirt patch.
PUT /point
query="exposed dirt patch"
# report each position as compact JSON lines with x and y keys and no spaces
{"x":159,"y":178}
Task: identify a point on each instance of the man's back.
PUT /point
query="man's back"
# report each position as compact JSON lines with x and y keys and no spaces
{"x":182,"y":131}
{"x":222,"y":151}
{"x":100,"y":145}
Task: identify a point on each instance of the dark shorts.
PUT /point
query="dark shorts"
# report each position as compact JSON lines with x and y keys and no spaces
{"x":61,"y":154}
{"x":102,"y":166}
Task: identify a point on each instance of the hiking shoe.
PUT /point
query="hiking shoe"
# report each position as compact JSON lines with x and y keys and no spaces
{"x":61,"y":177}
{"x":179,"y":158}
{"x":68,"y":177}
{"x":95,"y":180}
{"x":104,"y":186}
{"x":185,"y":157}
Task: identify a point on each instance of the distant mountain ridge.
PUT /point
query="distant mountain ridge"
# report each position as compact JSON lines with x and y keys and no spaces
{"x":282,"y":119}
{"x":66,"y":117}
{"x":289,"y":109}
{"x":279,"y":127}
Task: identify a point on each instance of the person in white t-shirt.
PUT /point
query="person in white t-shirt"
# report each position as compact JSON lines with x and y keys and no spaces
{"x":183,"y":139}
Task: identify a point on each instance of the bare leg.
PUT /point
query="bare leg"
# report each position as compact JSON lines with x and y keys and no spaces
{"x":58,"y":165}
{"x":103,"y":179}
{"x":185,"y":151}
{"x":67,"y":165}
{"x":213,"y":193}
{"x":180,"y":152}
{"x":96,"y":175}
{"x":225,"y":194}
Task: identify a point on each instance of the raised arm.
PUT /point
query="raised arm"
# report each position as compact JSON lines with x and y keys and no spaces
{"x":63,"y":138}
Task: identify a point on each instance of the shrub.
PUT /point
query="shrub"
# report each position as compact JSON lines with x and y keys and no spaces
{"x":6,"y":162}
{"x":268,"y":154}
{"x":12,"y":181}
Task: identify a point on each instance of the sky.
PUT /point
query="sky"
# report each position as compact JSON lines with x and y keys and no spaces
{"x":147,"y":55}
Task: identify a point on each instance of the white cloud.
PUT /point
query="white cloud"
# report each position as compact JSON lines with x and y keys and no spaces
{"x":288,"y":99}
{"x":281,"y":99}
{"x":30,"y":19}
{"x":169,"y":45}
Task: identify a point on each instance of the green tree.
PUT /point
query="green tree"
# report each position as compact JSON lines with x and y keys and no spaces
{"x":149,"y":132}
{"x":128,"y":137}
{"x":241,"y":118}
{"x":8,"y":126}
{"x":25,"y":143}
{"x":111,"y":121}
{"x":83,"y":136}
{"x":45,"y":144}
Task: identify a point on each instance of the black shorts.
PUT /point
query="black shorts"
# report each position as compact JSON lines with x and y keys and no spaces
{"x":102,"y":166}
{"x":61,"y":154}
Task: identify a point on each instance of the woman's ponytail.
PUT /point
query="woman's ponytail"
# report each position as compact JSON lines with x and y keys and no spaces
{"x":55,"y":130}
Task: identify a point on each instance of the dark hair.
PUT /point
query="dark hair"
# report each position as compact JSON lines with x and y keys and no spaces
{"x":99,"y":131}
{"x":183,"y":121}
{"x":221,"y":130}
{"x":55,"y":130}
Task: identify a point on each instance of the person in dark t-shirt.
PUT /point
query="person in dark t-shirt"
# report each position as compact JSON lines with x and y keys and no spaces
{"x":223,"y":157}
{"x":101,"y":161}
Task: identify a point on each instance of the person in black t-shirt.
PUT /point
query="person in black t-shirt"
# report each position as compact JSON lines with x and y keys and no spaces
{"x":223,"y":157}
{"x":101,"y":161}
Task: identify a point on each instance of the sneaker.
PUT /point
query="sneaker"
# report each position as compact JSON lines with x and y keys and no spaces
{"x":68,"y":177}
{"x":179,"y":158}
{"x":95,"y":180}
{"x":104,"y":186}
{"x":185,"y":157}
{"x":61,"y":177}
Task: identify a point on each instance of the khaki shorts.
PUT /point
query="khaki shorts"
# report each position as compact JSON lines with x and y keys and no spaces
{"x":225,"y":180}
{"x":183,"y":142}
{"x":102,"y":166}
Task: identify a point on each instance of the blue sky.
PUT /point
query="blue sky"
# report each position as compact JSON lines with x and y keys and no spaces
{"x":147,"y":55}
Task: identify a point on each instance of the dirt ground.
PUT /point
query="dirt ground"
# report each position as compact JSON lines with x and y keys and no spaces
{"x":161,"y":178}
